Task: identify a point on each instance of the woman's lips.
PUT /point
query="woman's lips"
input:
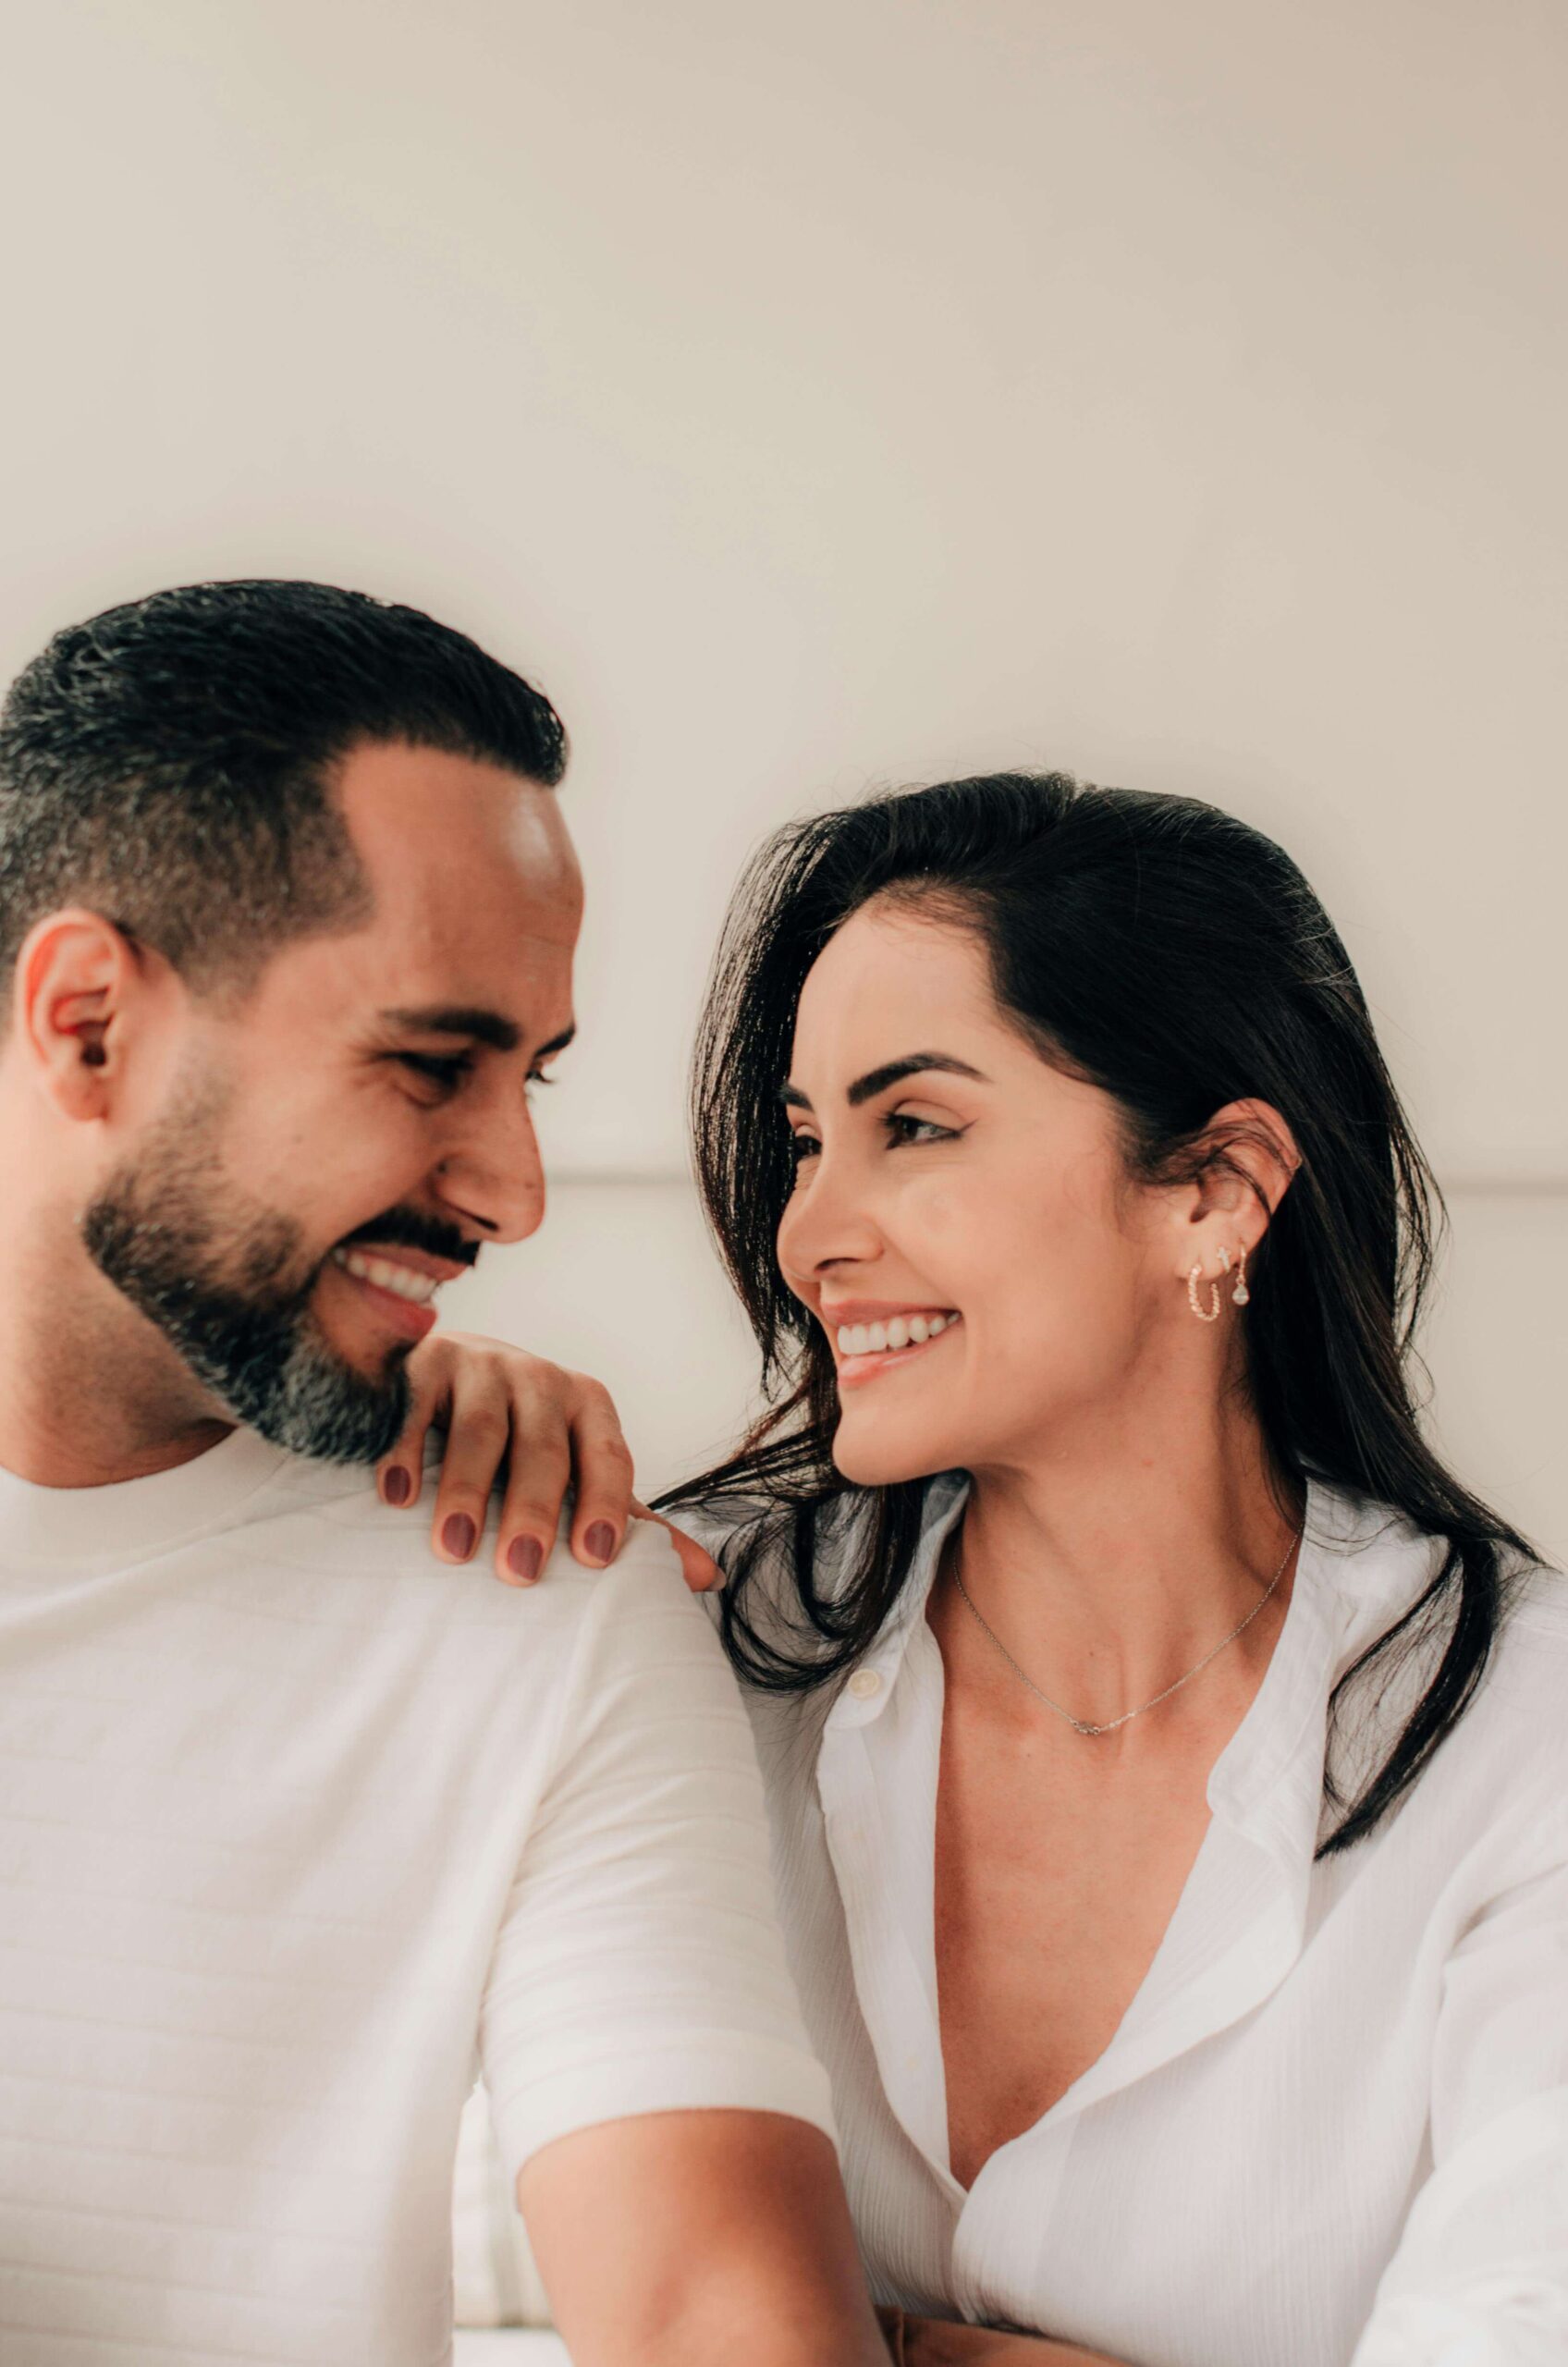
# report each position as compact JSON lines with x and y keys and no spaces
{"x":854,"y":1372}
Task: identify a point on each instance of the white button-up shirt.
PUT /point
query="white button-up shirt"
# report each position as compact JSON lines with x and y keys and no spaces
{"x":1333,"y":2124}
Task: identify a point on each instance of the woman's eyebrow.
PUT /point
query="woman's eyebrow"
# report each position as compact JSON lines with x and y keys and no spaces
{"x":875,"y":1081}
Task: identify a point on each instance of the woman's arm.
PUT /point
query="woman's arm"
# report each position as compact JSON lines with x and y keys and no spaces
{"x":1480,"y":2275}
{"x":536,"y":1430}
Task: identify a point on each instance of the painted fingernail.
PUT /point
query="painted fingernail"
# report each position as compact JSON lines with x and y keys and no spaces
{"x":396,"y":1486}
{"x":523,"y":1557}
{"x":458,"y":1536}
{"x":599,"y":1543}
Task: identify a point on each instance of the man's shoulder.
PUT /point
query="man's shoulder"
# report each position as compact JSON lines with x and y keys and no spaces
{"x":325,"y":1533}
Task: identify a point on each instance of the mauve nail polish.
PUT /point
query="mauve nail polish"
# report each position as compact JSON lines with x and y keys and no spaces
{"x":396,"y":1486}
{"x":600,"y":1540}
{"x":523,"y":1556}
{"x":458,"y":1534}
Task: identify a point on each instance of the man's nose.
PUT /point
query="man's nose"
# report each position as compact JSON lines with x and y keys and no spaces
{"x":492,"y":1176}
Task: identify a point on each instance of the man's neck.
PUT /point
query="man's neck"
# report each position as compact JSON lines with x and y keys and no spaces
{"x":90,"y":1392}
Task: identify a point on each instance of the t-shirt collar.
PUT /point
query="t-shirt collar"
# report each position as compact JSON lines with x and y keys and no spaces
{"x":132,"y":1518}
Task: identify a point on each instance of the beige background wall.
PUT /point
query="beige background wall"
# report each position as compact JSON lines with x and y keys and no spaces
{"x":858,"y":391}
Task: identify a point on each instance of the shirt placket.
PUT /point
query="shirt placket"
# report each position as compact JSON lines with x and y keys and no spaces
{"x":895,"y":1987}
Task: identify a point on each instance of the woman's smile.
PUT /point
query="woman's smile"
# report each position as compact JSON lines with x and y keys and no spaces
{"x":869,"y":1341}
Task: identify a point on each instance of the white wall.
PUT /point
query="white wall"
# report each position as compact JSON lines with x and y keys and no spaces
{"x":865,"y":390}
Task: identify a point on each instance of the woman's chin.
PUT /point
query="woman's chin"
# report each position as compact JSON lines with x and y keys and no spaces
{"x":873,"y":1454}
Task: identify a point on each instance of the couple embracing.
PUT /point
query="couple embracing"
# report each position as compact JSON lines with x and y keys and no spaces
{"x":1091,"y":1884}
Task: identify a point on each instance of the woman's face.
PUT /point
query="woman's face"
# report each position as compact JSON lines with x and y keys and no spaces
{"x":972,"y":1202}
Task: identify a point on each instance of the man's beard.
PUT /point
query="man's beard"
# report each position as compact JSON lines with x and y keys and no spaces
{"x":229,"y":1284}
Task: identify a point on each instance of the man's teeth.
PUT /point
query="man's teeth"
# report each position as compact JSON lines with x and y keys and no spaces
{"x":903,"y":1331}
{"x":402,"y":1280}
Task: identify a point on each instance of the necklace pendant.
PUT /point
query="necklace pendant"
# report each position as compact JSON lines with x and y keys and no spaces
{"x":1080,"y":1726}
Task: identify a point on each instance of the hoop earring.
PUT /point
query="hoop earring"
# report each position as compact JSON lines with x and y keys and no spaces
{"x":1241,"y":1295}
{"x":1193,"y":1281}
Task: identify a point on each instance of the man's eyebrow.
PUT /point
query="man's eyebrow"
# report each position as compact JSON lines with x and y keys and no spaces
{"x":875,"y":1081}
{"x":480,"y":1026}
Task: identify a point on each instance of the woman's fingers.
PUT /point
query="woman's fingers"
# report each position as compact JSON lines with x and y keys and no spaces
{"x":475,"y":1383}
{"x":537,"y":1479}
{"x":602,"y":1467}
{"x":477,"y":1441}
{"x":698,"y":1568}
{"x":544,"y":1429}
{"x":400,"y":1474}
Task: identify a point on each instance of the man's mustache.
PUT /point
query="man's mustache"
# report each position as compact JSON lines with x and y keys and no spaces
{"x":412,"y":1229}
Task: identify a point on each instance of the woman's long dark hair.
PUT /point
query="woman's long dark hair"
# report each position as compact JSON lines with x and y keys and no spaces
{"x":1176,"y":958}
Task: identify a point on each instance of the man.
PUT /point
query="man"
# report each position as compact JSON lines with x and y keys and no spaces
{"x":295,"y":1820}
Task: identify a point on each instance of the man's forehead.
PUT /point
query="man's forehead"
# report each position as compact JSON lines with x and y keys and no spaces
{"x":451,"y":837}
{"x":477,"y":900}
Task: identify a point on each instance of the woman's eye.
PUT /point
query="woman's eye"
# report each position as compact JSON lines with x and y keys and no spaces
{"x":803,"y":1147}
{"x":904,"y":1129}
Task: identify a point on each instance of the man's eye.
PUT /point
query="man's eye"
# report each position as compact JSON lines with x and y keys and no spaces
{"x":446,"y":1069}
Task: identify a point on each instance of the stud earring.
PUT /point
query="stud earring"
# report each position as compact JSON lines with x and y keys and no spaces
{"x":1241,"y":1295}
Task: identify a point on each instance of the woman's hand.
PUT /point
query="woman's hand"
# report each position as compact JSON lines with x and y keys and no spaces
{"x":546,"y":1429}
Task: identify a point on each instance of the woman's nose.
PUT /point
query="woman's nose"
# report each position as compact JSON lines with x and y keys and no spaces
{"x":827,"y":1223}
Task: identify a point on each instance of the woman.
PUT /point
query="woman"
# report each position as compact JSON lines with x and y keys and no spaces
{"x":1166,"y":1752}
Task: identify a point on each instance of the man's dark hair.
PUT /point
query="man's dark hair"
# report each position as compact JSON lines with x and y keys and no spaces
{"x":169,"y":763}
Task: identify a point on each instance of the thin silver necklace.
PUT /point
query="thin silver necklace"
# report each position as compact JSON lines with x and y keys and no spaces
{"x":1081,"y":1725}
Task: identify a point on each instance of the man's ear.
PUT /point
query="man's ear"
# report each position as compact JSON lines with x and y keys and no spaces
{"x":1230,"y":1204}
{"x":77,"y":978}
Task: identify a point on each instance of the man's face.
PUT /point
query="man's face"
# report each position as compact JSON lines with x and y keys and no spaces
{"x":328,"y":1156}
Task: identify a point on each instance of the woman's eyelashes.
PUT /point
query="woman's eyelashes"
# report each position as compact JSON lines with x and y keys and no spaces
{"x":902,"y":1129}
{"x":905,"y":1129}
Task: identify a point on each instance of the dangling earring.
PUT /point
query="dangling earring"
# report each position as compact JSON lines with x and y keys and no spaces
{"x":1193,"y":1279}
{"x":1241,"y":1295}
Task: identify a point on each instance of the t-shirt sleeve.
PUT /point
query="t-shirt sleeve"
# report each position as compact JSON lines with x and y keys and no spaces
{"x":639,"y":1965}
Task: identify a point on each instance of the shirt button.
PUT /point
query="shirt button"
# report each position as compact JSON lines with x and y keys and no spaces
{"x":865,"y":1685}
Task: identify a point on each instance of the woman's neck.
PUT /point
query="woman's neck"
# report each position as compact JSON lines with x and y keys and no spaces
{"x":1109,"y":1568}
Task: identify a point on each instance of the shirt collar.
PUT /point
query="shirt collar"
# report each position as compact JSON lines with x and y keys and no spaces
{"x":128,"y":1519}
{"x":865,"y":1694}
{"x":1358,"y":1567}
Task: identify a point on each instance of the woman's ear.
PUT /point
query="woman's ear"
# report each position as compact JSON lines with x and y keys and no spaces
{"x":1249,"y":1157}
{"x":1254,"y":1159}
{"x":74,"y":976}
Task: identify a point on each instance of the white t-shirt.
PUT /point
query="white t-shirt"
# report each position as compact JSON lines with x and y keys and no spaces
{"x":1333,"y":2124}
{"x":297,"y":1828}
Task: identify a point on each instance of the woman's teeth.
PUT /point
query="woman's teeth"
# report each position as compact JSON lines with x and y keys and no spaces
{"x":402,"y":1280}
{"x":903,"y":1331}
